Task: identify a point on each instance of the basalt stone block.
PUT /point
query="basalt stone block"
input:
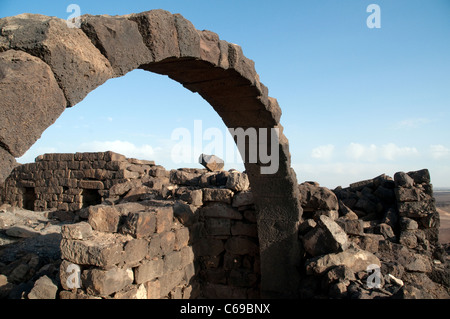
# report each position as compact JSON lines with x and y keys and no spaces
{"x":114,"y":36}
{"x":420,"y":176}
{"x":403,"y":179}
{"x":79,"y":231}
{"x":211,"y":162}
{"x":22,"y":75}
{"x":404,"y":194}
{"x":78,"y":65}
{"x":106,"y":282}
{"x":102,"y":251}
{"x":149,"y":270}
{"x":217,"y":195}
{"x":327,"y":237}
{"x":139,"y":224}
{"x":159,"y":32}
{"x":103,"y":218}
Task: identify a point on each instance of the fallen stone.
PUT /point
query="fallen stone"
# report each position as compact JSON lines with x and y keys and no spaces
{"x":44,"y":288}
{"x":385,"y":230}
{"x":211,"y":162}
{"x":351,"y":226}
{"x":313,"y":198}
{"x":353,"y":258}
{"x":21,"y":231}
{"x":327,"y":237}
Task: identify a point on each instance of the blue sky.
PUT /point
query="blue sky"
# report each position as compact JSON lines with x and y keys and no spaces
{"x":357,"y":102}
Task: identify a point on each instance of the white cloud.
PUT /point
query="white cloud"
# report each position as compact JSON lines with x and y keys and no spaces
{"x":123,"y":147}
{"x":439,"y":152}
{"x":372,"y":152}
{"x":359,"y":152}
{"x":391,"y":151}
{"x":323,"y":152}
{"x":412,"y":123}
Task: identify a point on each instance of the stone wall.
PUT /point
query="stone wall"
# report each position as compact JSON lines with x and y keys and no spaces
{"x":384,"y":224}
{"x":153,"y":233}
{"x":69,"y":182}
{"x":192,"y":233}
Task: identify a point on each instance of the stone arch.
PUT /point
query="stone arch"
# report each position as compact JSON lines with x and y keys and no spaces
{"x":45,"y":66}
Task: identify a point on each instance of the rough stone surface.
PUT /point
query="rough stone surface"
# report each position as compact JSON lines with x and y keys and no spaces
{"x":44,"y":288}
{"x":22,"y":75}
{"x":211,"y":162}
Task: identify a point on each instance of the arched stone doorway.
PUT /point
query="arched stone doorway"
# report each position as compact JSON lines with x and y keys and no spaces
{"x":45,"y":66}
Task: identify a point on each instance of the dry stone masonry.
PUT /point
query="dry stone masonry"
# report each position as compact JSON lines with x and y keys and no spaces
{"x":42,"y":54}
{"x":384,"y":224}
{"x":192,"y":233}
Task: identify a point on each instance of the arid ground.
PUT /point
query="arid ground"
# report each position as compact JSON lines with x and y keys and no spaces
{"x":443,"y":207}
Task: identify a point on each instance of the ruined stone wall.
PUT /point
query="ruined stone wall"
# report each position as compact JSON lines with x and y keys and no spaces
{"x":154,"y":233}
{"x":384,"y":224}
{"x":69,"y":182}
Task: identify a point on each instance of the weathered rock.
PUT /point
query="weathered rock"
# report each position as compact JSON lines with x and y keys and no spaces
{"x":79,"y":231}
{"x":327,"y":237}
{"x":420,"y":176}
{"x":114,"y":36}
{"x":353,"y":258}
{"x":191,"y":196}
{"x":416,"y":209}
{"x":22,"y":75}
{"x":103,"y":250}
{"x":237,"y":181}
{"x":149,"y":270}
{"x":21,"y":231}
{"x":211,"y":162}
{"x":78,"y":65}
{"x":106,"y":282}
{"x":351,"y":226}
{"x":44,"y":288}
{"x":159,"y":33}
{"x":407,"y":194}
{"x":139,"y":224}
{"x":217,"y":195}
{"x":220,"y":210}
{"x":408,"y":224}
{"x":315,"y":198}
{"x":403,"y":179}
{"x":243,"y":199}
{"x":385,"y":230}
{"x":103,"y":218}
